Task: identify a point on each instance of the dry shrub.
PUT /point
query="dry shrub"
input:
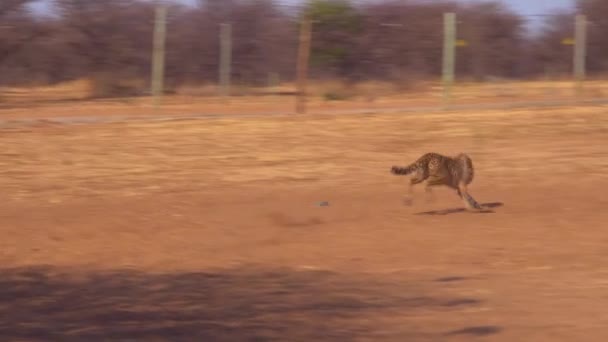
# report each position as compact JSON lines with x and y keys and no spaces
{"x":107,"y":85}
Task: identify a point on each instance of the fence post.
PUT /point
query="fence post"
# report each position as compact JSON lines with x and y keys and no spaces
{"x":273,"y":82}
{"x":449,"y":47}
{"x":158,"y":54}
{"x":225,"y":58}
{"x":580,"y":47}
{"x":302,"y":64}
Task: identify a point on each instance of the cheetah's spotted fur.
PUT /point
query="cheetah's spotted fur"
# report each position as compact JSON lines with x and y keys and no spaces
{"x":455,"y":172}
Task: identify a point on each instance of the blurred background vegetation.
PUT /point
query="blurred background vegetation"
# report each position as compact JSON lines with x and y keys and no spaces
{"x":109,"y":42}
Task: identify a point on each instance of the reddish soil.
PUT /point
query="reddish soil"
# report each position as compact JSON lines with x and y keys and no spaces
{"x":210,"y":230}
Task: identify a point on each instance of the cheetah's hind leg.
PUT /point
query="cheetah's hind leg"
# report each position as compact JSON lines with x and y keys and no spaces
{"x":409,"y":199}
{"x":469,"y":202}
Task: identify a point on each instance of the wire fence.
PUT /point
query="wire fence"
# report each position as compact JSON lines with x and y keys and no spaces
{"x":327,"y":55}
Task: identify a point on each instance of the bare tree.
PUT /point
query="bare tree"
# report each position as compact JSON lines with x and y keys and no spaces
{"x":493,"y":33}
{"x":111,"y":38}
{"x":17,"y":28}
{"x":596,"y":10}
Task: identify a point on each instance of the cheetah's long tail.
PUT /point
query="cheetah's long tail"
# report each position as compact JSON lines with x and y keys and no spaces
{"x":402,"y":171}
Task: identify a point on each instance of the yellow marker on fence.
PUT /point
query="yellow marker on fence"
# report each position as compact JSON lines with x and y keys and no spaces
{"x":461,"y":43}
{"x":567,"y":41}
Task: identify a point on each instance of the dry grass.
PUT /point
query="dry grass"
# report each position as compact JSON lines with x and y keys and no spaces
{"x":72,"y":99}
{"x":132,"y":158}
{"x":74,"y":90}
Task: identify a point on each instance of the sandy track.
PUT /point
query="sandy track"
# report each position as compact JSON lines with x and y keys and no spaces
{"x":211,"y":229}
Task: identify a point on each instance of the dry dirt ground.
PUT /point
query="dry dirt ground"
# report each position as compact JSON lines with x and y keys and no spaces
{"x":210,"y":230}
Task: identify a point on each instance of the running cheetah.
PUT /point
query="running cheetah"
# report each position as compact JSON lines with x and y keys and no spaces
{"x":436,"y":169}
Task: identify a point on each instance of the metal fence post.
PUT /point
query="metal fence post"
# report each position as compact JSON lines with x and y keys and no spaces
{"x":302,"y":66}
{"x":158,"y":54}
{"x":580,"y":51}
{"x":449,"y":47}
{"x":225,"y":58}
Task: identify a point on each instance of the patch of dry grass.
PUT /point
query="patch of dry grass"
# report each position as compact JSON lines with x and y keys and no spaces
{"x":133,"y":158}
{"x":73,"y":90}
{"x":73,"y":98}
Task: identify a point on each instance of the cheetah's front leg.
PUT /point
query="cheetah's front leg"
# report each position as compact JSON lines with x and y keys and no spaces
{"x":430,"y":196}
{"x":409,"y":200}
{"x":432,"y":182}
